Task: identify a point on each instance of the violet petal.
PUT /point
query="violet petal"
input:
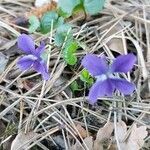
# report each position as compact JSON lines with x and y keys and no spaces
{"x":100,"y":89}
{"x":25,"y":62}
{"x":26,"y":44}
{"x":39,"y":50}
{"x":123,"y":63}
{"x":41,"y":68}
{"x":123,"y":86}
{"x":95,"y":65}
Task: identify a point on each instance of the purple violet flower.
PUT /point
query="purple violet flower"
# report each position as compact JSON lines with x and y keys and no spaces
{"x":33,"y":58}
{"x":106,"y":81}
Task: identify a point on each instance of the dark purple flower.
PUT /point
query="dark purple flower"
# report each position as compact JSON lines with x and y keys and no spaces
{"x":107,"y":82}
{"x":33,"y":58}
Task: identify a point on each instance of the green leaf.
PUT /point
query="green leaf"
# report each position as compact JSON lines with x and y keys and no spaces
{"x":93,"y":7}
{"x":59,"y":39}
{"x":67,"y":6}
{"x":71,"y":46}
{"x":62,"y":13}
{"x":90,"y":81}
{"x":69,"y":52}
{"x":74,"y":86}
{"x":60,"y":21}
{"x":34,"y":23}
{"x":70,"y":59}
{"x":85,"y":77}
{"x":85,"y":74}
{"x":63,"y":28}
{"x":47,"y":20}
{"x":61,"y":34}
{"x":78,"y":8}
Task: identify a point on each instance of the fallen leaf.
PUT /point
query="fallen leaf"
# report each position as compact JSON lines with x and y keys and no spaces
{"x":136,"y":138}
{"x":121,"y":134}
{"x":38,"y":12}
{"x":88,"y":142}
{"x":121,"y":130}
{"x":103,"y":134}
{"x":116,"y":45}
{"x":26,"y":84}
{"x":81,"y":130}
{"x":134,"y":141}
{"x":23,"y":140}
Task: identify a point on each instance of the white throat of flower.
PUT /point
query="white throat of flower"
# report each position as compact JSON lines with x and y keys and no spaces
{"x":32,"y":57}
{"x":105,"y":76}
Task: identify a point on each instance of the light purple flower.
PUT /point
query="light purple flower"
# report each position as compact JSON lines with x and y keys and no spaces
{"x":33,"y":58}
{"x":107,"y":82}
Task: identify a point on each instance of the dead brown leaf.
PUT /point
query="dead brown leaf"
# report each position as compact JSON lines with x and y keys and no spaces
{"x":81,"y":130}
{"x":41,"y":10}
{"x":121,"y":130}
{"x":136,"y":138}
{"x":116,"y":45}
{"x":23,"y":140}
{"x":26,"y":84}
{"x":121,"y":134}
{"x":103,"y":134}
{"x":134,"y":141}
{"x":88,"y":141}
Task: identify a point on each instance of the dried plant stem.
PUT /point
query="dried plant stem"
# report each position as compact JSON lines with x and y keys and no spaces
{"x":147,"y":28}
{"x":115,"y":127}
{"x":65,"y":141}
{"x":21,"y":115}
{"x":43,"y":107}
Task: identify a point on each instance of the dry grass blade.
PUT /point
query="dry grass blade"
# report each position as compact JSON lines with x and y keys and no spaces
{"x":57,"y":111}
{"x":7,"y":11}
{"x":11,"y":29}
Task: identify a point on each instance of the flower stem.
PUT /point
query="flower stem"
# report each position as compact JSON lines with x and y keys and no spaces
{"x":38,"y":102}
